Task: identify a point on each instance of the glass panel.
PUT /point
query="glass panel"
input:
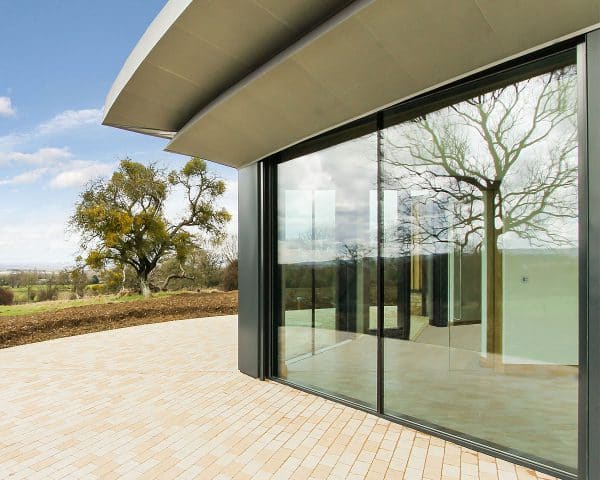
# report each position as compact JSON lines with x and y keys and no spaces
{"x":480,"y":257}
{"x":327,"y":206}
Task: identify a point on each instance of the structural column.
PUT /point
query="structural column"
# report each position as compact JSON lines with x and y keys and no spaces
{"x":250,"y":310}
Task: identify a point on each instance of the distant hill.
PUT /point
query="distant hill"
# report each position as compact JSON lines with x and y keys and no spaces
{"x":6,"y":267}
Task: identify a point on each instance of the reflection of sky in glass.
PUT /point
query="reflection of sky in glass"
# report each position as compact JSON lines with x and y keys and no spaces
{"x":298,"y":214}
{"x":341,"y":180}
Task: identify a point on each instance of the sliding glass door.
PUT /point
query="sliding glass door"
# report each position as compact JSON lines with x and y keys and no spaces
{"x":481,"y":251}
{"x":459,"y":215}
{"x":326,"y":264}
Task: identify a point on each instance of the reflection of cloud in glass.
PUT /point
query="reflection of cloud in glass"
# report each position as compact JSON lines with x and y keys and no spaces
{"x":340,"y":181}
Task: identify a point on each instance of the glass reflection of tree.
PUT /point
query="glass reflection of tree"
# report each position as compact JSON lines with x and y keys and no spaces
{"x":497,"y":167}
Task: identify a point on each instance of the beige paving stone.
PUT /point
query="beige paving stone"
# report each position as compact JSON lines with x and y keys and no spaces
{"x":413,"y":474}
{"x":392,"y":473}
{"x":166,"y":401}
{"x":469,"y":469}
{"x":450,"y":471}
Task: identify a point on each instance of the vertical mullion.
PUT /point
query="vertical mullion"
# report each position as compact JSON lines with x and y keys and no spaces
{"x":262,"y":305}
{"x":589,"y":277}
{"x":583,"y":256}
{"x":380,"y":283}
{"x":313,"y":292}
{"x":275,"y":293}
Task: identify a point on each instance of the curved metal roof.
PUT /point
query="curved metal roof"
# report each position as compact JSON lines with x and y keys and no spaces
{"x":233,"y":81}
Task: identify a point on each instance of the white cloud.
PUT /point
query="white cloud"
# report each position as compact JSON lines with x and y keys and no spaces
{"x":6,"y":108}
{"x":37,"y":238}
{"x":78,"y":173}
{"x":66,"y":120}
{"x":70,"y":119}
{"x":10,"y":141}
{"x":56,"y":164}
{"x":30,"y":176}
{"x":43,"y":156}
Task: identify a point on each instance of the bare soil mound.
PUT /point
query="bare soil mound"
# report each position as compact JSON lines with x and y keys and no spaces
{"x":19,"y":330}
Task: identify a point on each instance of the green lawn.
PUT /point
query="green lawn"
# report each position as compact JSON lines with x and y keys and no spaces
{"x":53,"y":305}
{"x":21,"y":292}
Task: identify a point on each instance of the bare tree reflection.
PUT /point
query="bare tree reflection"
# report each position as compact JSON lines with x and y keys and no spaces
{"x":498,"y":168}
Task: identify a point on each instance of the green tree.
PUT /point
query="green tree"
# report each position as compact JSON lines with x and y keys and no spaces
{"x":122,"y":220}
{"x":117,"y":279}
{"x":202,"y":268}
{"x":63,"y":277}
{"x":79,"y":279}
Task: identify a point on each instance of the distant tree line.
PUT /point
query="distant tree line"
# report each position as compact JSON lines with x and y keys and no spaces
{"x":203,"y":267}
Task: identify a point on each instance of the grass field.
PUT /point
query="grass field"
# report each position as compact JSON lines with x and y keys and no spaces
{"x":54,"y":305}
{"x":38,"y":322}
{"x":21,"y":292}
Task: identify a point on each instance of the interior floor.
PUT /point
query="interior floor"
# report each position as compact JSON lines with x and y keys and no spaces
{"x":438,"y":378}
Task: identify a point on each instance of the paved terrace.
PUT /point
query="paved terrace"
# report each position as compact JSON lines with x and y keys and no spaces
{"x":165,"y":401}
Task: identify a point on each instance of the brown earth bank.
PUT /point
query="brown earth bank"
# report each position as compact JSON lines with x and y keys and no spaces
{"x":19,"y":330}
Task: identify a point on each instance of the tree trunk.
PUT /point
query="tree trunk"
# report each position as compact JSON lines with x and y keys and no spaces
{"x":492,"y":281}
{"x":144,"y":285}
{"x":123,"y":278}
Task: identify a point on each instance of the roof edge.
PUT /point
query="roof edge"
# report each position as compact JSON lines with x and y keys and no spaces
{"x":319,"y":30}
{"x":155,"y":31}
{"x":424,"y":91}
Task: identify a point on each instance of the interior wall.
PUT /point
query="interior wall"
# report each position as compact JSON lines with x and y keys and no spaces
{"x":540,"y":311}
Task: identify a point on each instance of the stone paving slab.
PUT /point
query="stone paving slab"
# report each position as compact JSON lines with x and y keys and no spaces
{"x":165,"y":401}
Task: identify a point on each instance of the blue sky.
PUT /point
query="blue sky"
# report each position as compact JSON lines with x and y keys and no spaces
{"x":58,"y":61}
